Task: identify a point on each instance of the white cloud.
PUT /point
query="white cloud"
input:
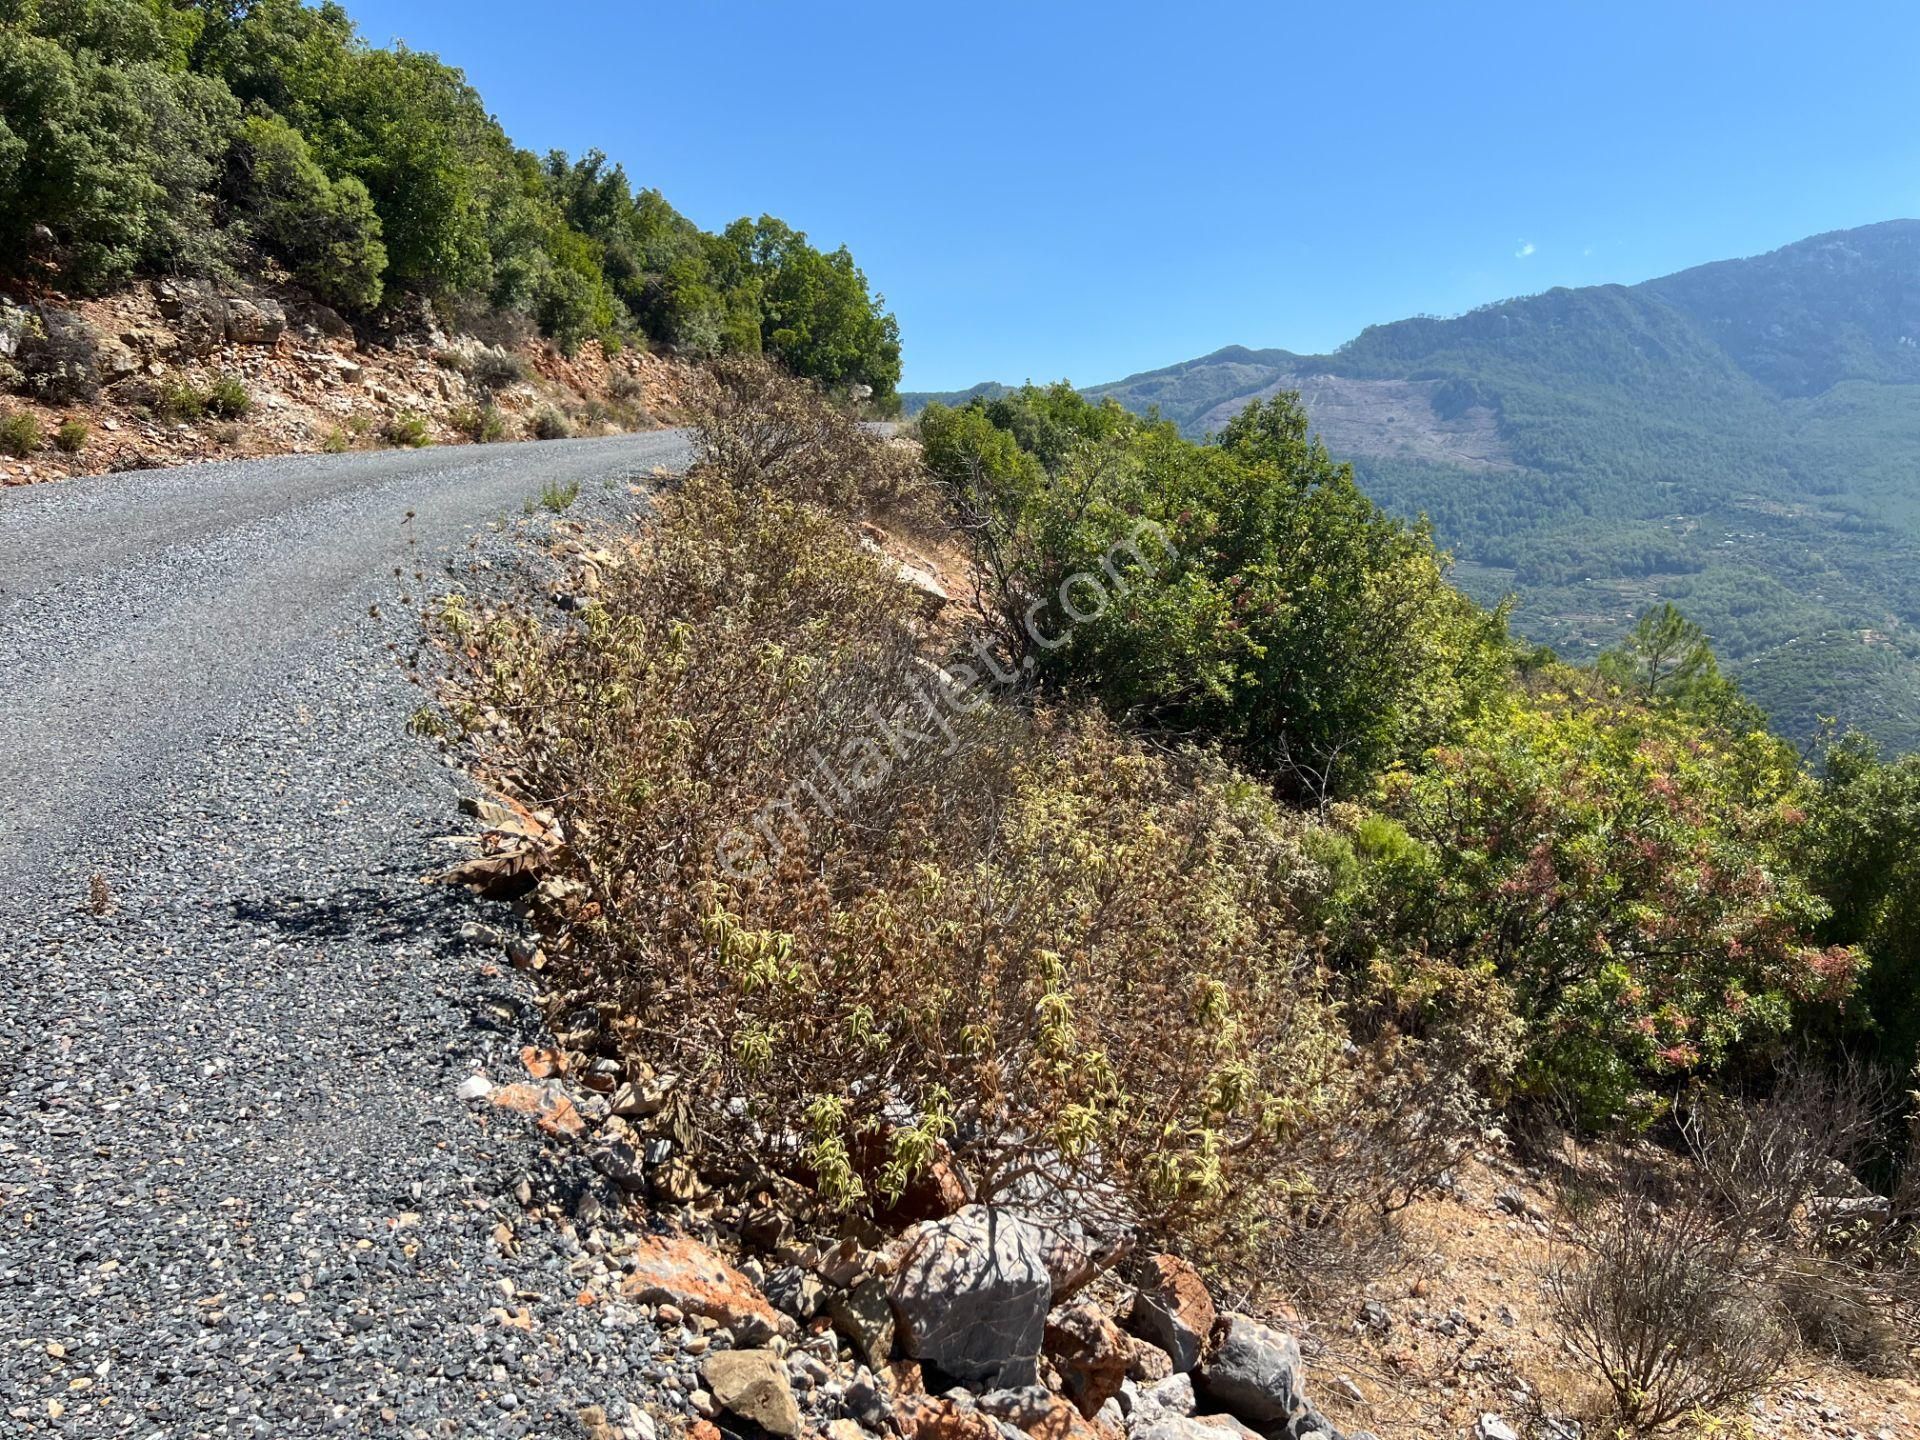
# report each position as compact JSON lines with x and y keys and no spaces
{"x":1526,"y":249}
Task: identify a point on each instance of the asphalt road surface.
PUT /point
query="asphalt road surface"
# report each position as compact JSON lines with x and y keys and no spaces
{"x":238,"y":1192}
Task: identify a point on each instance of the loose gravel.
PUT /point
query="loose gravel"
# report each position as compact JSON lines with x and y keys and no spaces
{"x":239,"y":1195}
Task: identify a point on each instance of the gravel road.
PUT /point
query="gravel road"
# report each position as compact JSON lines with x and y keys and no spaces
{"x":238,"y":1193}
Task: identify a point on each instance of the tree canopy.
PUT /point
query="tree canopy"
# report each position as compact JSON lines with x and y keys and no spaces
{"x":149,"y":137}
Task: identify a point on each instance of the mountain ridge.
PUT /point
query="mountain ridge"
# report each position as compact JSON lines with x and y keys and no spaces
{"x":1741,"y":437}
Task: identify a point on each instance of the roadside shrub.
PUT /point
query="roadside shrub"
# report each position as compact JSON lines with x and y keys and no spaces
{"x":557,"y":495}
{"x":549,"y":424}
{"x":1621,"y":874}
{"x":71,"y":437}
{"x":407,"y":430}
{"x":19,"y":434}
{"x":334,"y":442}
{"x":759,"y":426}
{"x":622,"y":386}
{"x":58,"y":357}
{"x":1839,"y":1312}
{"x":493,"y":370}
{"x":228,"y":399}
{"x":324,"y":230}
{"x":482,"y":424}
{"x":176,"y":400}
{"x":1027,"y":942}
{"x":1656,"y":1301}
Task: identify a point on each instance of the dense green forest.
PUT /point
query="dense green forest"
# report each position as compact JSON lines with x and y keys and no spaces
{"x":1742,"y":439}
{"x":217,"y":137}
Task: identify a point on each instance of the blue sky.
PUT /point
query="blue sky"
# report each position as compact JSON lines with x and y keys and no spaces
{"x":1047,"y":190}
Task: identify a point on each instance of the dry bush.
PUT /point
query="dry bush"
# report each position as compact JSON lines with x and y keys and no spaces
{"x":886,"y":923}
{"x":1839,"y":1312}
{"x":759,"y":426}
{"x":1657,"y":1299}
{"x":1764,"y":1160}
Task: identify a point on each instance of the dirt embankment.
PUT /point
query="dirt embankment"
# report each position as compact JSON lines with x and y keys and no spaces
{"x":169,"y":373}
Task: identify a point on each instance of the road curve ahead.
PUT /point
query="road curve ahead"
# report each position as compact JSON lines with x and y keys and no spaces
{"x":238,"y":1194}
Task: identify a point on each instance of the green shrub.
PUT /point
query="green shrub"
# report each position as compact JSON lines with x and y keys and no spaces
{"x":110,"y":142}
{"x":334,"y":442}
{"x":557,"y":495}
{"x":228,"y":399}
{"x":19,"y":434}
{"x":549,"y":424}
{"x":1623,"y":875}
{"x":71,"y":437}
{"x":482,"y":424}
{"x":175,"y":400}
{"x":408,"y":430}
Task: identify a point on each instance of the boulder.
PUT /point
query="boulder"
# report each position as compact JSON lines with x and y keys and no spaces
{"x":255,"y":322}
{"x":1171,"y":1309}
{"x":972,"y":1295}
{"x":1253,"y":1372}
{"x":199,"y":320}
{"x":1090,"y":1352}
{"x":1172,"y":1396}
{"x":923,"y":1417}
{"x":1175,"y":1427}
{"x":1063,"y":1422}
{"x":794,"y":1292}
{"x":673,"y":1270}
{"x":864,"y":1318}
{"x":753,"y":1385}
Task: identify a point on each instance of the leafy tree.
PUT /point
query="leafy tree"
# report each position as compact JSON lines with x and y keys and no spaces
{"x":1864,"y":854}
{"x":1245,"y":590}
{"x":116,"y":157}
{"x":325,"y":231}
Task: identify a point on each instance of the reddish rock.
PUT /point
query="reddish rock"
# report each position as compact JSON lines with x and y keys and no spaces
{"x":1172,"y":1310}
{"x":673,"y":1270}
{"x":551,"y":1109}
{"x":1064,"y":1422}
{"x":922,"y":1417}
{"x":1090,"y":1352}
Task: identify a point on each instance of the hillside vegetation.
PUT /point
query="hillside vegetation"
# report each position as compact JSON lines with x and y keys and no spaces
{"x":1211,"y":870}
{"x":264,"y":139}
{"x":1739,"y":439}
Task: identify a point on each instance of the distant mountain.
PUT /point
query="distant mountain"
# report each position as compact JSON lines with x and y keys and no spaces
{"x":1742,"y":438}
